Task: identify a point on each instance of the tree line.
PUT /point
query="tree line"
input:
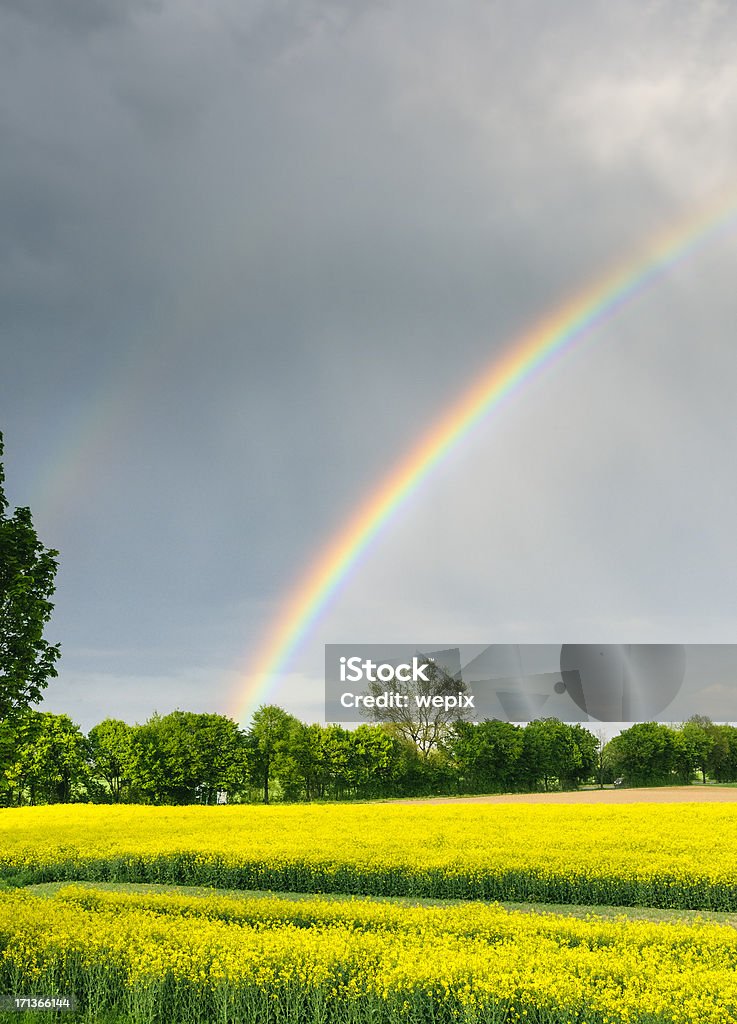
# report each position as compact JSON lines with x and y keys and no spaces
{"x":184,"y":758}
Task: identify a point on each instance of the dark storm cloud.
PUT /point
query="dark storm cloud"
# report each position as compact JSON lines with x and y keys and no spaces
{"x":78,"y":17}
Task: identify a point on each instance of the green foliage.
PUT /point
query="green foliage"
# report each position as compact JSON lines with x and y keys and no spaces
{"x":693,"y":744}
{"x":554,"y":751}
{"x":50,"y":762}
{"x":316,"y":762}
{"x":27,"y":573}
{"x":487,"y":757}
{"x":583,"y":758}
{"x":110,"y":755}
{"x":184,"y":758}
{"x":267,"y":744}
{"x":377,"y":757}
{"x":722,"y":758}
{"x":328,"y":762}
{"x":644,"y":754}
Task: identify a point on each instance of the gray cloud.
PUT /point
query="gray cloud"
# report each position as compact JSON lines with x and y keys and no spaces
{"x":250,"y":251}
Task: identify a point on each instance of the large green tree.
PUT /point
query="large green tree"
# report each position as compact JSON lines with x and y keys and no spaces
{"x":644,"y":754}
{"x":267,"y":744}
{"x":554,"y":750}
{"x":50,"y":764}
{"x":722,"y":760}
{"x":110,"y":755}
{"x":376,"y":755}
{"x":693,"y":744}
{"x":486,"y":756}
{"x":184,"y":758}
{"x":27,"y":573}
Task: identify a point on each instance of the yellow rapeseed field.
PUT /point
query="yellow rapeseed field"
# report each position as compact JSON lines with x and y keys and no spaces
{"x":681,"y":855}
{"x":147,"y":957}
{"x":188,"y":958}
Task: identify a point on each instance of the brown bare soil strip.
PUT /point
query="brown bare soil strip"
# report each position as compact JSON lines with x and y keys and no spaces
{"x":656,"y":795}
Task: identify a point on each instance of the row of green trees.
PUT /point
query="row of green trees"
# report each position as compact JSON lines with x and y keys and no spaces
{"x":174,"y":759}
{"x":651,"y":754}
{"x":185,"y":758}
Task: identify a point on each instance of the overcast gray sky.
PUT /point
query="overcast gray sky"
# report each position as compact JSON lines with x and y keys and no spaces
{"x":250,"y":250}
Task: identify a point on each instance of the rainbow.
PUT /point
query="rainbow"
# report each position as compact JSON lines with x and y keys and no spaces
{"x":529,"y":355}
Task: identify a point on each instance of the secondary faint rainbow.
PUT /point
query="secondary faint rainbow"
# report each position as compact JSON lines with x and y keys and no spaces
{"x":528,"y":355}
